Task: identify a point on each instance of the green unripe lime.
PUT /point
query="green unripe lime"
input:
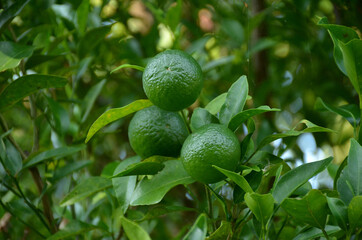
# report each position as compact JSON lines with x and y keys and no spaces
{"x":212,"y":144}
{"x":172,"y":80}
{"x":154,"y":131}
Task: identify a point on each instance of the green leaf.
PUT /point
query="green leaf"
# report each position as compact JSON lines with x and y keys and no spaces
{"x":238,"y":179}
{"x":56,"y":152}
{"x":215,"y":105}
{"x":235,"y":100}
{"x":86,"y":188}
{"x":91,"y":39}
{"x":90,"y":98}
{"x":161,"y":210}
{"x":128,"y":66}
{"x":8,"y":14}
{"x":82,"y":16}
{"x":201,"y":117}
{"x":114,"y":114}
{"x":351,"y":117}
{"x":312,"y":209}
{"x":339,"y":33}
{"x":151,"y":191}
{"x":72,"y":229}
{"x":69,"y":168}
{"x":124,"y":186}
{"x":296,"y":177}
{"x":133,"y":230}
{"x":173,"y":15}
{"x":217,"y":63}
{"x":198,"y":231}
{"x":352,"y":58}
{"x":241,"y":117}
{"x":262,"y":206}
{"x":223,"y":232}
{"x":10,"y":157}
{"x":339,"y":211}
{"x":310,"y":128}
{"x":349,"y":183}
{"x":12,"y":53}
{"x":59,"y":115}
{"x":141,"y":168}
{"x":355,"y":212}
{"x":26,"y":85}
{"x":315,"y":233}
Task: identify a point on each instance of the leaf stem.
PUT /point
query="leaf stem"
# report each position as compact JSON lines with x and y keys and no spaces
{"x":185,"y":120}
{"x":209,"y":207}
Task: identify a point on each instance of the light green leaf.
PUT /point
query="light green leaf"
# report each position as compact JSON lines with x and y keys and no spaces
{"x":201,"y":117}
{"x":339,"y":211}
{"x":86,"y":188}
{"x":262,"y":206}
{"x":56,"y":152}
{"x":215,"y":105}
{"x":133,"y":230}
{"x":128,"y":66}
{"x":241,"y":117}
{"x":235,"y":100}
{"x":141,"y":168}
{"x":151,"y":191}
{"x":238,"y":179}
{"x":12,"y":53}
{"x":349,"y":183}
{"x":116,"y":113}
{"x":355,"y":212}
{"x":198,"y":231}
{"x":69,"y":168}
{"x":223,"y":232}
{"x":312,"y":209}
{"x":315,"y":233}
{"x":72,"y":229}
{"x":26,"y":85}
{"x":90,"y":98}
{"x":296,"y":177}
{"x":82,"y":16}
{"x":8,"y":14}
{"x":217,"y":63}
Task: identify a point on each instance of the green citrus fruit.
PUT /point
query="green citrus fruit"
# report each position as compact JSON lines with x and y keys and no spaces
{"x":212,"y":144}
{"x":172,"y":80}
{"x":154,"y":131}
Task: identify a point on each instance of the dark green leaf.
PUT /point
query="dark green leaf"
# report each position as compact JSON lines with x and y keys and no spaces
{"x":161,"y":210}
{"x":26,"y":85}
{"x":215,"y":105}
{"x":355,"y":212}
{"x":133,"y":230}
{"x":37,"y":59}
{"x":151,"y":191}
{"x":173,"y":15}
{"x":141,"y":168}
{"x":262,"y":206}
{"x":339,"y":211}
{"x":53,"y":153}
{"x":59,"y":115}
{"x":217,"y":63}
{"x":349,"y":183}
{"x":70,"y":168}
{"x":315,"y":233}
{"x":91,"y":39}
{"x":235,"y":100}
{"x":12,"y":53}
{"x":11,"y":157}
{"x":241,"y":117}
{"x":128,"y":66}
{"x":72,"y":229}
{"x":82,"y":16}
{"x":116,"y":113}
{"x":223,"y":232}
{"x":296,"y":177}
{"x":8,"y":14}
{"x":86,"y":188}
{"x":237,"y":178}
{"x":311,"y":209}
{"x":201,"y":117}
{"x":198,"y":230}
{"x":90,"y":98}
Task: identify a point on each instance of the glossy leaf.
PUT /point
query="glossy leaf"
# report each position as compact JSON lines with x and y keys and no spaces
{"x":90,"y":98}
{"x":223,"y":232}
{"x":114,"y":114}
{"x":238,"y":179}
{"x":312,"y":209}
{"x":8,"y":14}
{"x":53,"y":153}
{"x":201,"y":117}
{"x":91,"y":39}
{"x":241,"y":117}
{"x":26,"y":85}
{"x":349,"y":183}
{"x":12,"y":53}
{"x":235,"y":100}
{"x":128,"y":66}
{"x":72,"y":229}
{"x":262,"y":206}
{"x":315,"y":233}
{"x":215,"y":105}
{"x":133,"y":230}
{"x":355,"y":212}
{"x":85,"y":189}
{"x":151,"y":191}
{"x":198,"y":230}
{"x":339,"y":211}
{"x":124,"y":186}
{"x":296,"y":177}
{"x":141,"y":168}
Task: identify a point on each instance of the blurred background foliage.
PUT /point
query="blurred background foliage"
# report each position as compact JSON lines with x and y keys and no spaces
{"x":288,"y":60}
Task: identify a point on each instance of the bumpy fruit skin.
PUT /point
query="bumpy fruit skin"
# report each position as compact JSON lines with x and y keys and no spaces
{"x":212,"y":144}
{"x":154,"y":131}
{"x":172,"y":80}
